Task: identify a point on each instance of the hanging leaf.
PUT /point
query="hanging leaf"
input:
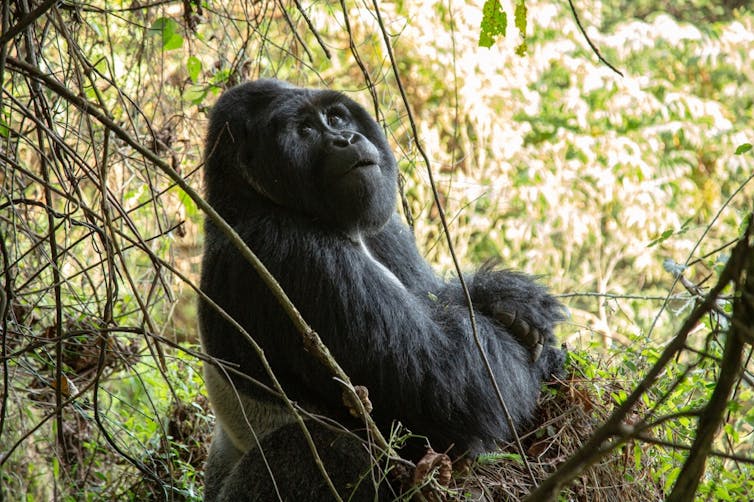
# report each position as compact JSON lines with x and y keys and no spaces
{"x":194,"y":68}
{"x":4,"y":129}
{"x":494,"y":23}
{"x":519,"y":18}
{"x":195,"y":93}
{"x":168,"y":29}
{"x":743,"y":148}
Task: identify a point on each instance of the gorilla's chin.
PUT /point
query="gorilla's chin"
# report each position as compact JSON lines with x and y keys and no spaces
{"x":361,"y":199}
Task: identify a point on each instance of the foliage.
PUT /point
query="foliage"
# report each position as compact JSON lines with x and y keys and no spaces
{"x":549,"y":162}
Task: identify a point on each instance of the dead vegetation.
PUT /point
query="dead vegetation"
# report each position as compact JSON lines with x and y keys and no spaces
{"x":570,"y":411}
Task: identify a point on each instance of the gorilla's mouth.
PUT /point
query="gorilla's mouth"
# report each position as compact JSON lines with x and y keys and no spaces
{"x":362,"y":164}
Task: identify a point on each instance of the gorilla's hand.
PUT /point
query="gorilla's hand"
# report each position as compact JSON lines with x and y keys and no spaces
{"x":525,"y":308}
{"x":529,"y":336}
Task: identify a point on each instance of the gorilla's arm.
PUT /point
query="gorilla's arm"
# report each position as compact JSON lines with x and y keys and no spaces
{"x":413,"y":352}
{"x":514,"y":300}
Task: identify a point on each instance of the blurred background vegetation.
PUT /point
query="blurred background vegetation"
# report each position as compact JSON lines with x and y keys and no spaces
{"x":608,"y":187}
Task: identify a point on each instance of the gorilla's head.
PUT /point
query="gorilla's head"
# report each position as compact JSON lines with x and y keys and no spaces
{"x":313,"y":152}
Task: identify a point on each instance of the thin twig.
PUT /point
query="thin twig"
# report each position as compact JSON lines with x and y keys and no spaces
{"x":360,"y":63}
{"x":289,"y":22}
{"x":443,"y":220}
{"x":6,"y":299}
{"x":313,"y":30}
{"x":42,"y":110}
{"x":589,"y":41}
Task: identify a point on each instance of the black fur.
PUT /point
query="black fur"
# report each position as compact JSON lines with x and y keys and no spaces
{"x":297,"y":477}
{"x":308,"y":180}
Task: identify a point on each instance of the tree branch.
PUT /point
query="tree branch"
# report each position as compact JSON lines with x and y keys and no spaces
{"x":592,"y":451}
{"x":742,"y":260}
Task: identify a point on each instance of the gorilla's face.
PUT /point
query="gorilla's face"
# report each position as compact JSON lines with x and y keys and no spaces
{"x":317,"y":153}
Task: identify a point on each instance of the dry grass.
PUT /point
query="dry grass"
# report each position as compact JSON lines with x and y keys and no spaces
{"x":568,"y":415}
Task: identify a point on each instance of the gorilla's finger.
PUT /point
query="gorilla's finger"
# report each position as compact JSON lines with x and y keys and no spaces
{"x":506,"y":317}
{"x":524,"y":332}
{"x":520,"y":329}
{"x":537,"y":351}
{"x":529,"y":336}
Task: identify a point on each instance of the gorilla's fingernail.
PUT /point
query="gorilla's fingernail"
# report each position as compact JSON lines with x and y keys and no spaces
{"x":534,"y":337}
{"x":508,"y":318}
{"x":522,"y":328}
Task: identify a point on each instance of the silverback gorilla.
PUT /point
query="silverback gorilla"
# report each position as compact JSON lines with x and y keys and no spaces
{"x":308,"y":181}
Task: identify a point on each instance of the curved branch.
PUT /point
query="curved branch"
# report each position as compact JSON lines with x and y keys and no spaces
{"x":730,"y":369}
{"x":26,"y":21}
{"x":589,"y":41}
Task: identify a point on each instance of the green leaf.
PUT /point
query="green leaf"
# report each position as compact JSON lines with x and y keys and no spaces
{"x":221,"y":76}
{"x":175,"y":42}
{"x":519,"y":19}
{"x":491,"y":458}
{"x":662,"y":238}
{"x":189,"y":205}
{"x":168,"y":29}
{"x":494,"y":23}
{"x":100,"y":63}
{"x":194,"y":68}
{"x":743,"y":148}
{"x":195,"y":94}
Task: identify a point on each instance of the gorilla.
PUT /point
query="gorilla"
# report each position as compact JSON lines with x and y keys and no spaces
{"x":307,"y":179}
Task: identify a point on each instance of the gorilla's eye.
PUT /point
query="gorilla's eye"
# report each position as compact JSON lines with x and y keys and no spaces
{"x":305,"y":129}
{"x":337,"y":116}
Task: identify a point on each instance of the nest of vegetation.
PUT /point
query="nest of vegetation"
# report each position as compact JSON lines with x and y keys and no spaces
{"x":569,"y":412}
{"x":568,"y":415}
